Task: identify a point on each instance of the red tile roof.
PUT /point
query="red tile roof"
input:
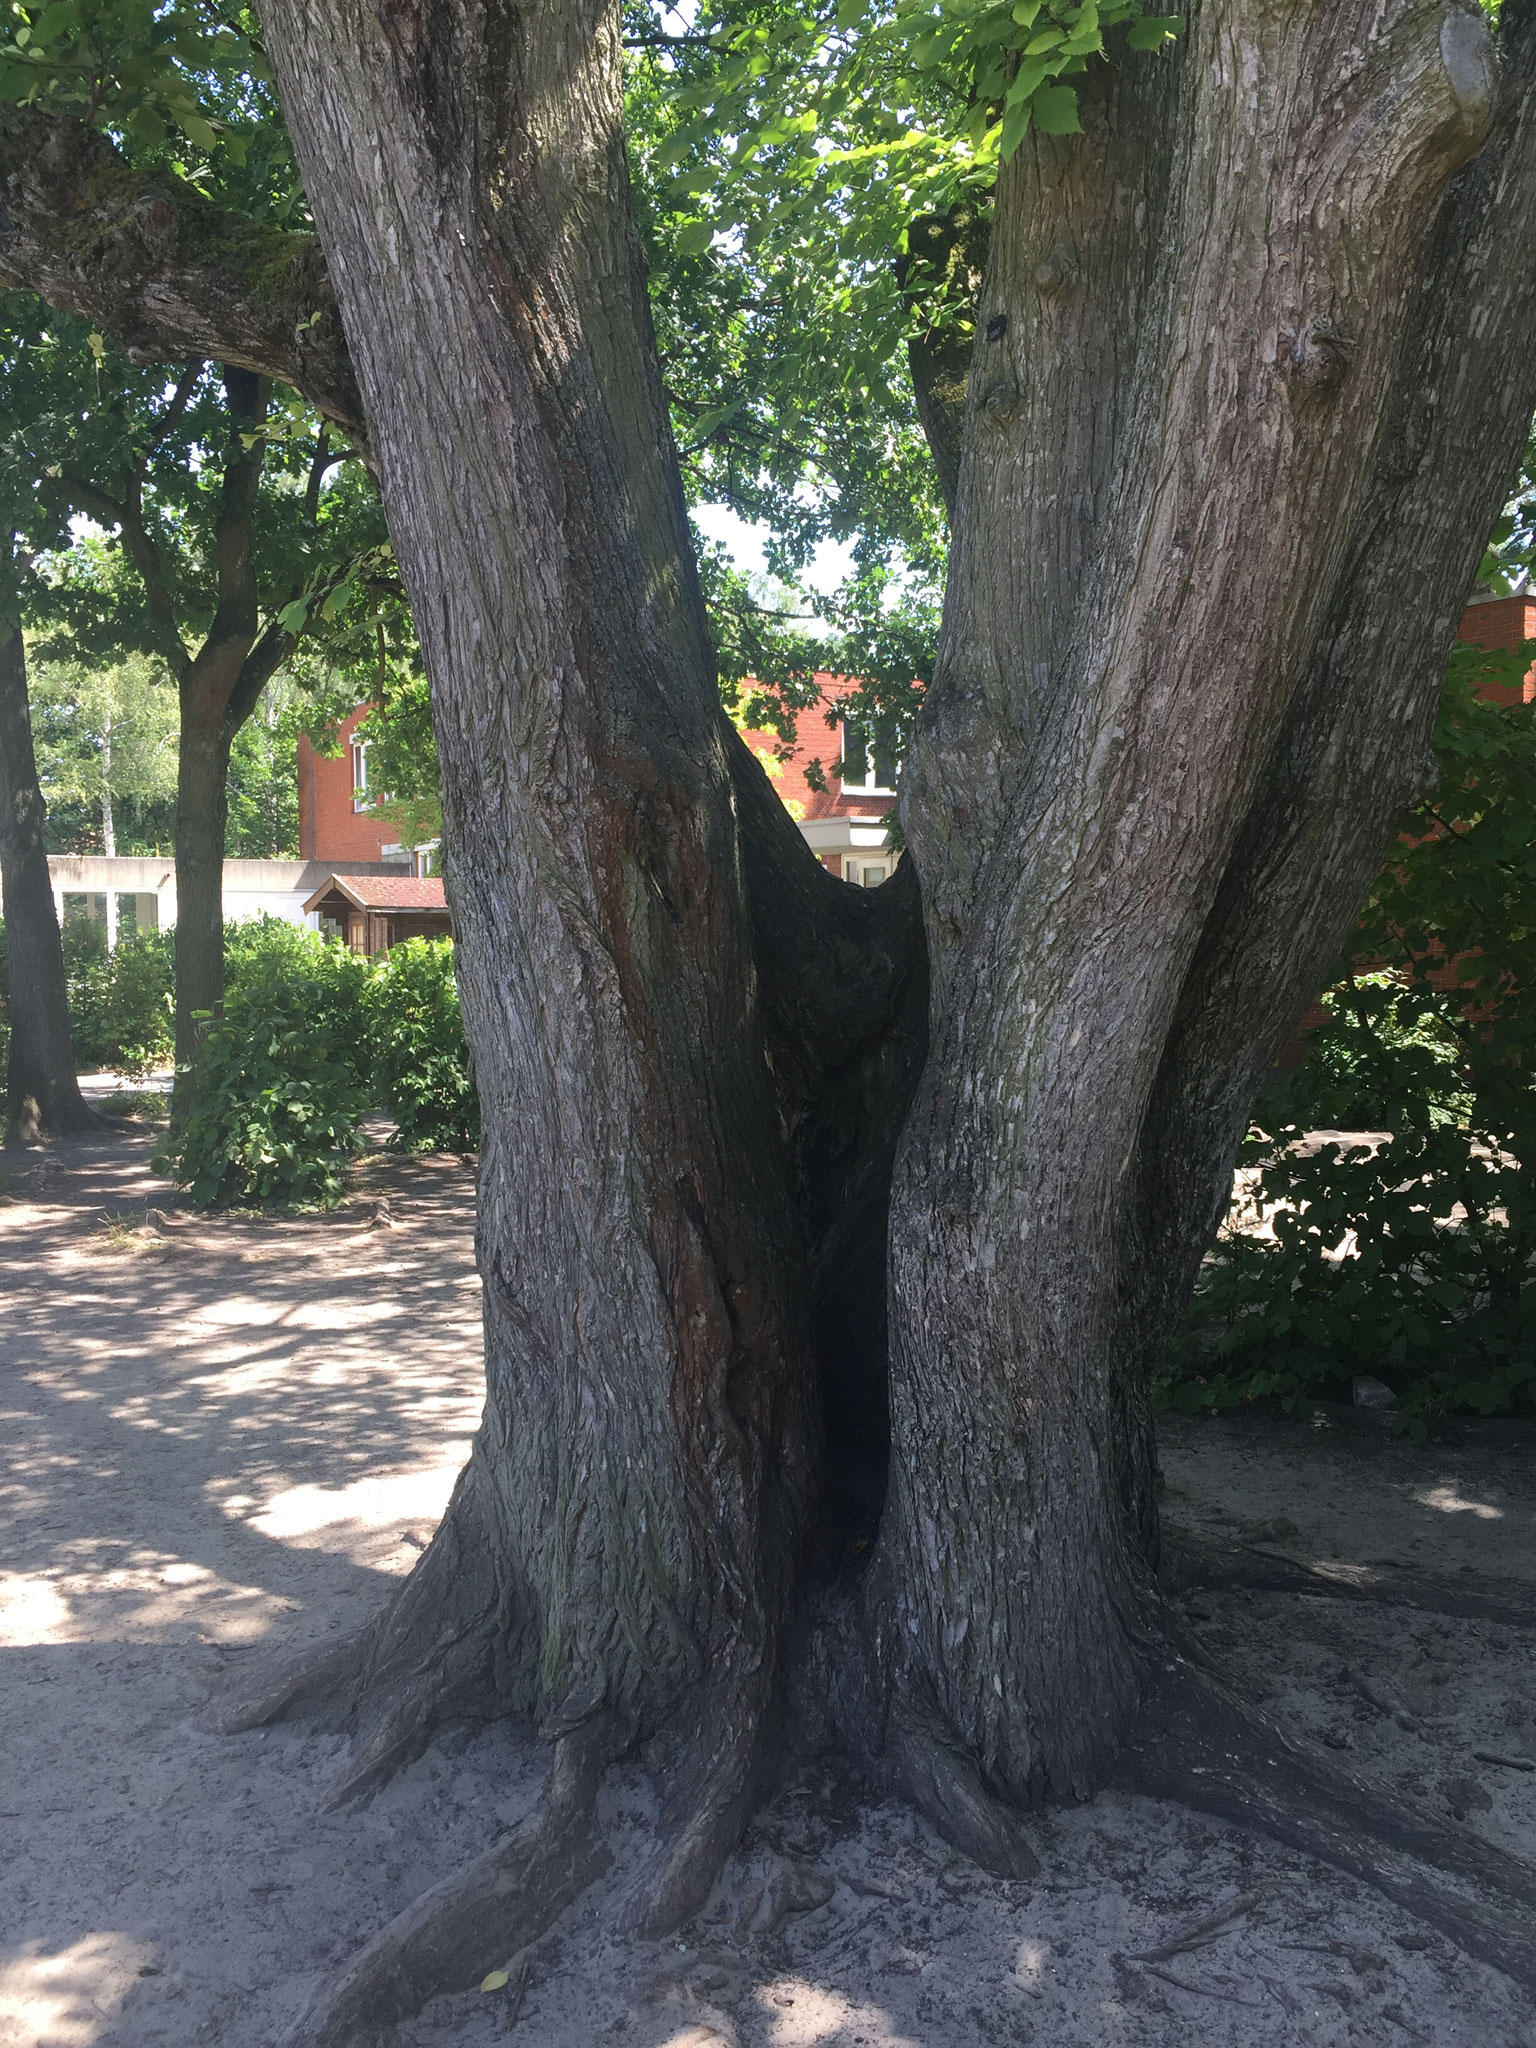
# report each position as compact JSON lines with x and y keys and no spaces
{"x":385,"y":892}
{"x":816,"y":739}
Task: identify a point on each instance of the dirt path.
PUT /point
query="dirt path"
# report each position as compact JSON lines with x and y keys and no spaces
{"x":234,"y":1437}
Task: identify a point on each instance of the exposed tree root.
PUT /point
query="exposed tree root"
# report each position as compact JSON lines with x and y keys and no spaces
{"x":1204,"y":1746}
{"x":933,"y":1768}
{"x":427,"y":1659}
{"x":734,"y":1783}
{"x":1188,"y":1564}
{"x":317,"y":1685}
{"x":455,"y":1932}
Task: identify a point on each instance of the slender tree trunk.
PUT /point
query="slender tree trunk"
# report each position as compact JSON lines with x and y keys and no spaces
{"x":108,"y":822}
{"x":218,"y":689}
{"x":202,"y":807}
{"x":41,"y":1091}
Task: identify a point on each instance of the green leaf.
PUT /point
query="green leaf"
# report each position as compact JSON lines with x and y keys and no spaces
{"x":195,"y":128}
{"x":1153,"y":30}
{"x":1015,"y":128}
{"x":62,"y":18}
{"x":147,"y":125}
{"x":1055,"y":110}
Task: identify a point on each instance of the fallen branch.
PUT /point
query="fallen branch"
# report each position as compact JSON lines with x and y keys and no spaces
{"x":1205,"y":1929}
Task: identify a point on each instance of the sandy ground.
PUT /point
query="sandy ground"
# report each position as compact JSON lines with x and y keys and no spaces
{"x":237,"y":1437}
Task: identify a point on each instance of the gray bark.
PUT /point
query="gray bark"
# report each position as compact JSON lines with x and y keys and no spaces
{"x":1235,"y":344}
{"x":1238,"y":363}
{"x":41,"y":1092}
{"x":642,"y":1477}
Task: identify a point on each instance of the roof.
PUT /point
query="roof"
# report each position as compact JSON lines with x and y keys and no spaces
{"x":818,"y":737}
{"x":383,"y":892}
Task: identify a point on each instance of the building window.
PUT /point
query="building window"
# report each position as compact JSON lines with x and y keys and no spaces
{"x":869,"y":757}
{"x":864,"y":873}
{"x":360,"y":797}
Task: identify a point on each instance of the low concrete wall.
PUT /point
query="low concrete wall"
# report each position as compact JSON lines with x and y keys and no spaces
{"x":252,"y":888}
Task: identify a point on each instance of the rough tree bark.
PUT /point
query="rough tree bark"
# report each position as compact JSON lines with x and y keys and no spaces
{"x":1226,"y":368}
{"x":41,"y":1092}
{"x":1246,"y":391}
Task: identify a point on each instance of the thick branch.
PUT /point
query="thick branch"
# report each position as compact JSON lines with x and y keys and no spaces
{"x":161,"y":270}
{"x":942,"y":269}
{"x":127,"y":514}
{"x":1354,"y":751}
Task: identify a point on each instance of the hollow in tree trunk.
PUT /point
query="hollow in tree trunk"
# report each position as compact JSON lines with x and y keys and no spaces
{"x":1247,"y":391}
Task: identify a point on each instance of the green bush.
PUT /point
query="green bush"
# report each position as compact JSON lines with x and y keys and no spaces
{"x":419,"y":1058}
{"x":275,"y":1103}
{"x":120,"y":1002}
{"x":267,"y":951}
{"x":1411,"y":1260}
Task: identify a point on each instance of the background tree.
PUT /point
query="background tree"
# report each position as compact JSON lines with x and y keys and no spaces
{"x":41,"y":1090}
{"x":1246,"y":392}
{"x":106,"y":741}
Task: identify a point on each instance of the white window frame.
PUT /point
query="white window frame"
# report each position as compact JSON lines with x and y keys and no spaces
{"x":869,"y":786}
{"x":361,"y":801}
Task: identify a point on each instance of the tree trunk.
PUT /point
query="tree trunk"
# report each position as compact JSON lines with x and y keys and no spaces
{"x":41,"y":1093}
{"x":202,"y":807}
{"x":1140,"y":829}
{"x":218,"y":689}
{"x":640,"y":1487}
{"x":1159,"y":767}
{"x":108,"y":821}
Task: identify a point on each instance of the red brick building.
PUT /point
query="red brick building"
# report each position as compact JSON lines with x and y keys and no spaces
{"x":1498,"y":623}
{"x":844,"y":823}
{"x":335,"y":823}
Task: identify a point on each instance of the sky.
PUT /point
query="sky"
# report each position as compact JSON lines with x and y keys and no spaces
{"x":832,"y":562}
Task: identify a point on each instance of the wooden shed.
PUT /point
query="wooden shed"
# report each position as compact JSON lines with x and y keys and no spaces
{"x":374,"y":912}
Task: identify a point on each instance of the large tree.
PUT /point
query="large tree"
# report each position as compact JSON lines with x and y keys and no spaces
{"x":808,"y":1215}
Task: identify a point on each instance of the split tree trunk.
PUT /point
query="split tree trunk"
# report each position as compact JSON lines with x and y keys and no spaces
{"x":1156,"y":773}
{"x":41,"y":1092}
{"x":1239,"y":347}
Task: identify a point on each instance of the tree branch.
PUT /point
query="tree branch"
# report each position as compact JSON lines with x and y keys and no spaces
{"x":1352,"y":753}
{"x":126,"y":514}
{"x":163,"y":271}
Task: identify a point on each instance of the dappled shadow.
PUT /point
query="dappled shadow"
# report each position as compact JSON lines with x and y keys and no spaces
{"x":240,"y":1434}
{"x":192,"y":1417}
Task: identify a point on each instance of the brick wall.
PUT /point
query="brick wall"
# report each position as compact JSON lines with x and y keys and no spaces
{"x":329,"y":828}
{"x":1502,"y":622}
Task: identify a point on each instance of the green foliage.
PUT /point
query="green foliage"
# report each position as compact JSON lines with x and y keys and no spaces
{"x":269,"y":952}
{"x":1410,"y":1258}
{"x":312,"y":1034}
{"x":420,"y":1059}
{"x":119,"y":1003}
{"x":104,"y":733}
{"x":263,"y":789}
{"x":403,"y":748}
{"x":275,"y":1104}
